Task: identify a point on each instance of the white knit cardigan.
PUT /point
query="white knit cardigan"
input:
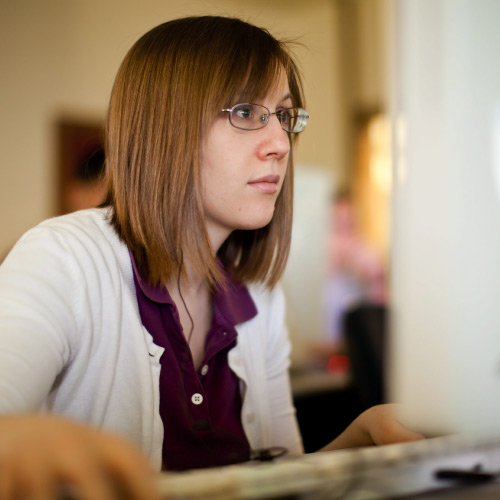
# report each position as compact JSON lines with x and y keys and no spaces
{"x":72,"y":341}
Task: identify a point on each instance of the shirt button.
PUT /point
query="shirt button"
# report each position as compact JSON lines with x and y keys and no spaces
{"x":250,"y":418}
{"x":197,"y":398}
{"x":204,"y":370}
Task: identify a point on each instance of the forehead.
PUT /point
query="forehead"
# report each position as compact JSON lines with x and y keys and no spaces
{"x":277,"y":89}
{"x":280,"y":89}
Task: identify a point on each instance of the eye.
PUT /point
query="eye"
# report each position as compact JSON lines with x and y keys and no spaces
{"x":248,"y":116}
{"x":244,"y":111}
{"x":284,"y":115}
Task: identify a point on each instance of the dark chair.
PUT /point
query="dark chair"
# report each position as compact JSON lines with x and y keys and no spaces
{"x":365,"y":334}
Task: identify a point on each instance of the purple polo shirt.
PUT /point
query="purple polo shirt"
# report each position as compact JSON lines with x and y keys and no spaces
{"x":200,"y":409}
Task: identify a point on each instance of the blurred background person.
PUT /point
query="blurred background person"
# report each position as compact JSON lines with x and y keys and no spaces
{"x":356,"y":273}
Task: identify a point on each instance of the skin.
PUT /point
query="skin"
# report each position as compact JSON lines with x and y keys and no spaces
{"x":242,"y":175}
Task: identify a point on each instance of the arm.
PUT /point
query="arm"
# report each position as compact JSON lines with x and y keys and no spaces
{"x":37,"y":320}
{"x":40,"y":289}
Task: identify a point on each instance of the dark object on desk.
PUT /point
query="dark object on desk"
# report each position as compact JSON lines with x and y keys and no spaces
{"x":474,"y":475}
{"x":365,"y":333}
{"x":268,"y":454}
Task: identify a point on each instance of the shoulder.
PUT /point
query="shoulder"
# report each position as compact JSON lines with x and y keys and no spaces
{"x":91,"y":224}
{"x":78,"y":245}
{"x":72,"y":270}
{"x":86,"y":231}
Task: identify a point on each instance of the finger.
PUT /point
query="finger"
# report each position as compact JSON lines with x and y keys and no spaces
{"x":130,"y":472}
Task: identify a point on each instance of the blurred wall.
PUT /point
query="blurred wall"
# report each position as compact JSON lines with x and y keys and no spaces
{"x":58,"y":59}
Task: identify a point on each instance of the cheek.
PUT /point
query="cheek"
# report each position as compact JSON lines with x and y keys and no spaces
{"x":219,"y":164}
{"x":221,"y":191}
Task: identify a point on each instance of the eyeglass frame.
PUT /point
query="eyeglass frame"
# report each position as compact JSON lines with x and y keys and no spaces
{"x":302,"y":113}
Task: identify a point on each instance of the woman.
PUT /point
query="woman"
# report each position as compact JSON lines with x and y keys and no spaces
{"x":157,"y":317}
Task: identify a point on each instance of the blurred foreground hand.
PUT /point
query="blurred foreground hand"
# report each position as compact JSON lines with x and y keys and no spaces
{"x":44,"y":457}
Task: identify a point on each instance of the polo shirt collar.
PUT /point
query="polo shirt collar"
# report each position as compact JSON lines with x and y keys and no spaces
{"x":232,"y":300}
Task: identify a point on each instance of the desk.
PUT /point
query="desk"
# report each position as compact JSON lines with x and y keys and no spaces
{"x":387,"y":472}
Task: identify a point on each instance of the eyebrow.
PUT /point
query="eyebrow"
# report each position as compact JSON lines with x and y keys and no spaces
{"x":286,"y":97}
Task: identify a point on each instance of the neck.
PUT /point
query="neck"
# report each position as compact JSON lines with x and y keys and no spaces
{"x":188,"y":281}
{"x":217,"y":235}
{"x":193,"y":299}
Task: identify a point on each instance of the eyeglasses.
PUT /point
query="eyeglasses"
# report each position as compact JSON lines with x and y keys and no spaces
{"x":248,"y":116}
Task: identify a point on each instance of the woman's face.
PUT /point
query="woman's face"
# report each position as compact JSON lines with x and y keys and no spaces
{"x":243,"y":170}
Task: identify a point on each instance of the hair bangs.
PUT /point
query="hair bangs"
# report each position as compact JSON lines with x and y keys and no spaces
{"x":255,"y":79}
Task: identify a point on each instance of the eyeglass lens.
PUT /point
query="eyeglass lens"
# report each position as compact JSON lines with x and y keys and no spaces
{"x":249,"y":116}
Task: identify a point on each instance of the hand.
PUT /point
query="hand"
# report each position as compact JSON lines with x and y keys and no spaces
{"x":376,"y":426}
{"x":382,"y":426}
{"x":40,"y":455}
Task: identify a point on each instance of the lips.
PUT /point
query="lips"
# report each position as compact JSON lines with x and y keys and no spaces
{"x":266,"y":184}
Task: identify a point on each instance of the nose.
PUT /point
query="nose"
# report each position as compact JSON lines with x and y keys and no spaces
{"x":275,"y":141}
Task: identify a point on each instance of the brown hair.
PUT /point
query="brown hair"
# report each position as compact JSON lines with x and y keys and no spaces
{"x":171,"y":85}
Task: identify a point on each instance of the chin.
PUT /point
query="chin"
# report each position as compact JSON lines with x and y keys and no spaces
{"x":257,"y":223}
